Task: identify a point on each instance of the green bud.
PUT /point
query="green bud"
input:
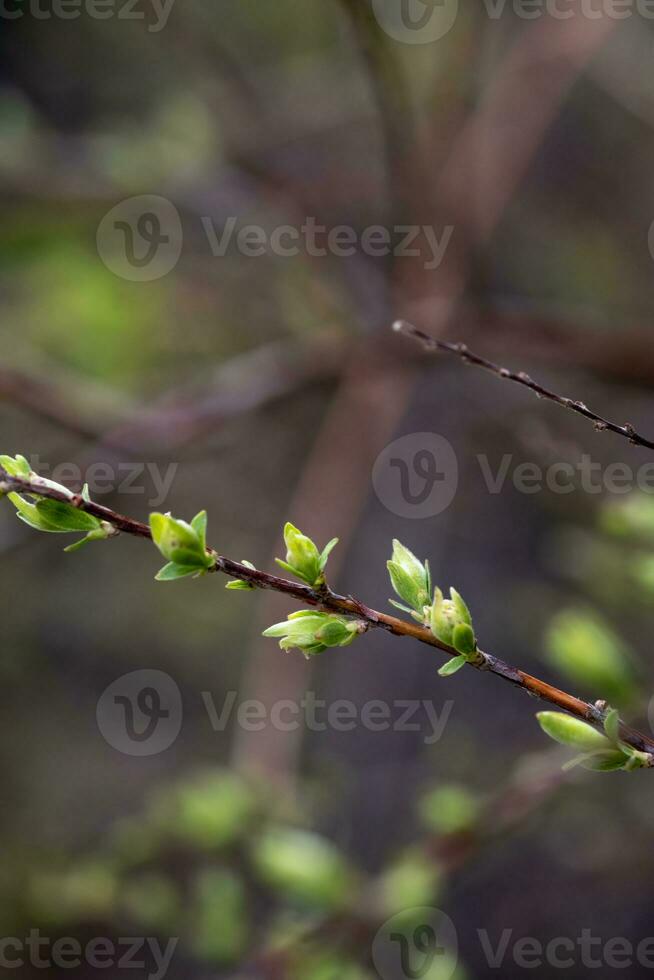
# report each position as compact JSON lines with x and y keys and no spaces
{"x":571,"y":731}
{"x":313,"y":632}
{"x":451,"y":622}
{"x":184,"y":545}
{"x":411,"y":581}
{"x":449,"y":809}
{"x":409,"y":882}
{"x":601,"y":753}
{"x":16,"y":466}
{"x":303,"y":558}
{"x":303,"y":866}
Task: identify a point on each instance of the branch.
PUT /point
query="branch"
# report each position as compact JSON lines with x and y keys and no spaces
{"x":325,"y":599}
{"x":461,"y":350}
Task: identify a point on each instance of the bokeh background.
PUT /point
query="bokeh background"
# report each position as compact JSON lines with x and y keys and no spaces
{"x":265,"y":387}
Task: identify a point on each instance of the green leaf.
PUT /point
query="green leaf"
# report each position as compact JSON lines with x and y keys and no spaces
{"x":604,"y":761}
{"x":63,"y":517}
{"x":451,"y":667}
{"x":407,"y":588}
{"x":463,"y":613}
{"x":16,"y":466}
{"x":181,"y":543}
{"x":199,"y":525}
{"x":399,"y":605}
{"x":451,"y":623}
{"x":302,"y":557}
{"x":326,"y":553}
{"x":288,"y":568}
{"x":412,"y":565}
{"x":28,"y":513}
{"x":463,"y":639}
{"x":571,"y":731}
{"x":101,"y":534}
{"x":172,"y":571}
{"x":313,"y":632}
{"x":409,"y":578}
{"x":612,"y":725}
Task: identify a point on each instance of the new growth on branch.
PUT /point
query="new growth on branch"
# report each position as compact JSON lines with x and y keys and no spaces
{"x":601,"y":740}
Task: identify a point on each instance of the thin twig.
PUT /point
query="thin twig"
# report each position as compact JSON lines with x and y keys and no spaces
{"x":462,"y":351}
{"x":330,"y":601}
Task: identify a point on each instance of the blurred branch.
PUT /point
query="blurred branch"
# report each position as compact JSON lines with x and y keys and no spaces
{"x":469,"y":357}
{"x":242,"y":384}
{"x":324,"y":599}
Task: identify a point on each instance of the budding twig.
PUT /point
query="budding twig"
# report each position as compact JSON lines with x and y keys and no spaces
{"x":627,"y":430}
{"x":325,"y":599}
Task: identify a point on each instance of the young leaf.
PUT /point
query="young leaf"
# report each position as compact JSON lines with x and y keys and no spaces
{"x":199,"y":525}
{"x":63,"y":517}
{"x":463,"y":639}
{"x":612,"y":725}
{"x":303,"y":559}
{"x":101,"y":534}
{"x":326,"y":551}
{"x":172,"y":571}
{"x":451,"y":667}
{"x":607,"y":761}
{"x":181,"y":543}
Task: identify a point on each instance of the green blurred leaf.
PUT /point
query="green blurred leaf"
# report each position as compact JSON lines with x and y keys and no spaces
{"x":303,"y":866}
{"x":448,"y":809}
{"x":586,"y":650}
{"x":219,"y":927}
